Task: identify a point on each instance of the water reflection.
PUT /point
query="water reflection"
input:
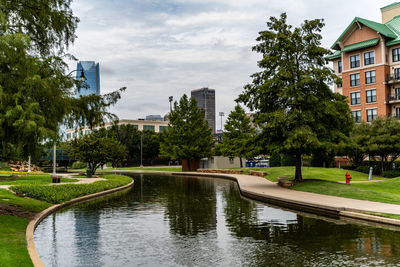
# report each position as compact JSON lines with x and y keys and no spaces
{"x":190,"y":221}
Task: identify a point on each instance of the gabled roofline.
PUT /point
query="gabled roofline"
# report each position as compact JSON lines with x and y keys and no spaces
{"x":391,"y":5}
{"x":380,"y":28}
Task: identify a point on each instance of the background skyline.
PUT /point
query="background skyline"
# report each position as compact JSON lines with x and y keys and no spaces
{"x":158,"y":48}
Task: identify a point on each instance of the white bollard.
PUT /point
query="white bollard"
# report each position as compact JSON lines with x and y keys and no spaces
{"x":370,"y":173}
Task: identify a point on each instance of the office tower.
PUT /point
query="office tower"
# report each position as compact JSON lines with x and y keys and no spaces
{"x":92,"y":77}
{"x":205,"y":98}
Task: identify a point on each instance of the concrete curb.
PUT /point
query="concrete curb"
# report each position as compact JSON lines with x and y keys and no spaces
{"x":301,"y":205}
{"x":37,"y":262}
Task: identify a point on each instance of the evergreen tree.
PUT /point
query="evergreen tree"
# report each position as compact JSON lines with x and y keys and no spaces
{"x":189,"y":136}
{"x":239,"y":136}
{"x":296,"y":109}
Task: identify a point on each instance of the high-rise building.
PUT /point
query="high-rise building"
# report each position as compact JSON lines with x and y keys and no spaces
{"x":367,"y":59}
{"x":205,"y":98}
{"x":92,"y":77}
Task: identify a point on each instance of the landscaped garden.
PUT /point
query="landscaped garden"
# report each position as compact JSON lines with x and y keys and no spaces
{"x":16,"y":211}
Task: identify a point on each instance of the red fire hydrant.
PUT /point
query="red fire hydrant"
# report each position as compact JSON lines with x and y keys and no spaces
{"x":348,"y":178}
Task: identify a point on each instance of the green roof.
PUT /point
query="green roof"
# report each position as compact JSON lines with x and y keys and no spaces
{"x":361,"y":45}
{"x":381,"y":28}
{"x":393,"y":4}
{"x":335,"y":55}
{"x":394,"y":25}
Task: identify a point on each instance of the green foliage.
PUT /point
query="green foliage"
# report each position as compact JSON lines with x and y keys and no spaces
{"x":295,"y":108}
{"x":239,"y":136}
{"x":188,"y":136}
{"x":392,"y":174}
{"x":365,"y":169}
{"x":31,"y":179}
{"x":79,"y":165}
{"x":130,"y":137}
{"x":96,"y":150}
{"x":275,"y":160}
{"x":379,"y":139}
{"x":62,"y":193}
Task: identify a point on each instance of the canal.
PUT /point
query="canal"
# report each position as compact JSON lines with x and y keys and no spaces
{"x":189,"y":221}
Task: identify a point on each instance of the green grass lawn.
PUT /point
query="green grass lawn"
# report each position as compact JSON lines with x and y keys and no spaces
{"x":13,"y":251}
{"x":16,"y":211}
{"x":31,"y":179}
{"x":326,"y":174}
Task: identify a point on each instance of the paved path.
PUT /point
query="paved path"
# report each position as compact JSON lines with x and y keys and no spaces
{"x":263,"y":187}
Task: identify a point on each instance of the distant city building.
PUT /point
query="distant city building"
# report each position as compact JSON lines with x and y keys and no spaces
{"x":154,"y":118}
{"x":205,"y":98}
{"x":156,"y":126}
{"x":92,"y":77}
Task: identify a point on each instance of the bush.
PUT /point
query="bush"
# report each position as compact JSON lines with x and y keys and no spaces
{"x":62,"y":193}
{"x":392,"y":174}
{"x":275,"y":160}
{"x":365,"y":169}
{"x":349,"y":167}
{"x":288,"y":160}
{"x":79,"y":165}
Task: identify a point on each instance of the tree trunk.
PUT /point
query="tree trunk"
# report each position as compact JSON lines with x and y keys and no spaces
{"x":241,"y":163}
{"x":298,"y":177}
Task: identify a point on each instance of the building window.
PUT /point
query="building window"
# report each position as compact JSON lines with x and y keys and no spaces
{"x":356,"y":116}
{"x":355,"y":61}
{"x":371,"y":114}
{"x":355,"y":79}
{"x":87,"y":132}
{"x":370,"y":77}
{"x":163,"y":128}
{"x":212,"y":160}
{"x":231,"y":160}
{"x":397,"y":74}
{"x":398,"y":113}
{"x":68,"y":136}
{"x":397,"y":93}
{"x":369,"y":58}
{"x":339,"y":85}
{"x":74,"y":134}
{"x":396,"y":54}
{"x":340,"y":68}
{"x":135,"y":126}
{"x":355,"y":98}
{"x":371,"y":96}
{"x":148,"y":127}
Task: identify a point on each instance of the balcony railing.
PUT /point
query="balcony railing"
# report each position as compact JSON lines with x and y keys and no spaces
{"x":392,"y":98}
{"x":392,"y":78}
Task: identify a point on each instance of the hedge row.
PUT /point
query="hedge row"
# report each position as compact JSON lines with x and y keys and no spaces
{"x":61,"y":193}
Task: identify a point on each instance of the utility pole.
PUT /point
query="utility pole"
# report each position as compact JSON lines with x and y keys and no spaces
{"x":221,"y":114}
{"x":171,"y":98}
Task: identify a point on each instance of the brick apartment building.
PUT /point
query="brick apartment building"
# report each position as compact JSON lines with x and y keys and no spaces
{"x":367,"y":58}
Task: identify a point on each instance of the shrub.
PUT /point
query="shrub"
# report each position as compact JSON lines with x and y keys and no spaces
{"x":349,"y":167}
{"x":365,"y":169}
{"x":288,"y":160}
{"x":392,"y":174}
{"x":275,"y":160}
{"x":79,"y":165}
{"x":62,"y":193}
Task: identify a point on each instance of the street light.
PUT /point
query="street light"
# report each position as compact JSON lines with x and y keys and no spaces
{"x":81,"y":78}
{"x":171,"y":98}
{"x":221,"y":114}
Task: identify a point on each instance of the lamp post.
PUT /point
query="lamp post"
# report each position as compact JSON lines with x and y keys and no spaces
{"x":141,"y":149}
{"x":171,"y":98}
{"x":221,"y":114}
{"x":82,"y":78}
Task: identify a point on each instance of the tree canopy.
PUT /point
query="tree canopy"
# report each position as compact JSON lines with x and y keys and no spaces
{"x":239,"y":136}
{"x":294,"y":105}
{"x":189,"y":136}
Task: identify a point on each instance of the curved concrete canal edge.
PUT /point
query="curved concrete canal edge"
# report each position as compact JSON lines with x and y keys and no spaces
{"x":37,"y":262}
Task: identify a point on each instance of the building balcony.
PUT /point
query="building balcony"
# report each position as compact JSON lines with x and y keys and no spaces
{"x":391,"y":79}
{"x":393,"y":99}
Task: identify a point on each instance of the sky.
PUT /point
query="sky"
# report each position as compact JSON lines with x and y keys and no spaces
{"x":162,"y":48}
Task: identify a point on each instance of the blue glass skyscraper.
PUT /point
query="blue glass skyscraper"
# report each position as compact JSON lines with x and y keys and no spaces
{"x":92,"y":74}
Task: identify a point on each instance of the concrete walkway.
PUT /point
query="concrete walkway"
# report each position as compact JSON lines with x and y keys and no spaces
{"x":258,"y":187}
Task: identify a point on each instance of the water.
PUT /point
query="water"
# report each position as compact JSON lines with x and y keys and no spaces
{"x":187,"y":221}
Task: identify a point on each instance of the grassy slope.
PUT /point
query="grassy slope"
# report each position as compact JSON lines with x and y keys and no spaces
{"x":172,"y":169}
{"x":13,"y":251}
{"x":326,"y":174}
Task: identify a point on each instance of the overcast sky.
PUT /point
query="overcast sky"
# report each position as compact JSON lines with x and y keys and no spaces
{"x":158,"y":48}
